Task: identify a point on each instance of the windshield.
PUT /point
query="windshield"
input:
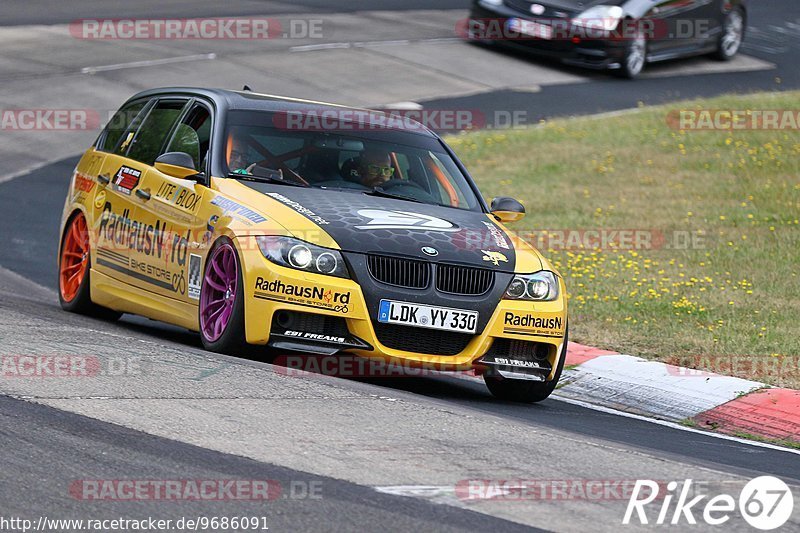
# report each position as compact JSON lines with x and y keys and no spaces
{"x":388,"y":163}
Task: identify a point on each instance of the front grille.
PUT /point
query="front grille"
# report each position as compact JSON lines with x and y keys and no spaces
{"x":463,"y":280}
{"x":524,"y":6}
{"x":421,"y":340}
{"x":406,"y":273}
{"x":414,"y":274}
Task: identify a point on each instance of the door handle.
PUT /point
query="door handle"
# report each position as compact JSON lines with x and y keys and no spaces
{"x":103,"y":179}
{"x":144,"y":195}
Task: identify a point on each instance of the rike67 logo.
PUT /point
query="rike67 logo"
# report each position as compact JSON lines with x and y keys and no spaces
{"x":765,"y":503}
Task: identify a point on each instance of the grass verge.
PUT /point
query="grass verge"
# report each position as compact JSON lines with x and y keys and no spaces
{"x":717,"y":288}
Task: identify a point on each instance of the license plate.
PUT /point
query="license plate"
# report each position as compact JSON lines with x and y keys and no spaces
{"x":426,"y":316}
{"x":530,"y":28}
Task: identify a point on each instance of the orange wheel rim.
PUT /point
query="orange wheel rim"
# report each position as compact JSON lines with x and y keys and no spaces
{"x":74,"y":258}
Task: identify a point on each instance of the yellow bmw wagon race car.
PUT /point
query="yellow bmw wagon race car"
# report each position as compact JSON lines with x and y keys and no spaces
{"x":311,"y":228}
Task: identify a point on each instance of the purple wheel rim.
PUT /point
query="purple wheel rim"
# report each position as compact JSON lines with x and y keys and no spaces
{"x":218,"y":295}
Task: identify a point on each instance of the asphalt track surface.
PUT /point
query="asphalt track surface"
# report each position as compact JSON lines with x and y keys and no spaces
{"x":773,"y":37}
{"x":20,"y":12}
{"x":386,"y":453}
{"x":65,"y":446}
{"x":45,"y":444}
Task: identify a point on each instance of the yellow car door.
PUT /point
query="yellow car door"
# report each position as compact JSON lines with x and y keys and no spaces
{"x":170,"y":202}
{"x":136,"y":249}
{"x":172,"y":210}
{"x":117,"y":179}
{"x":115,"y":216}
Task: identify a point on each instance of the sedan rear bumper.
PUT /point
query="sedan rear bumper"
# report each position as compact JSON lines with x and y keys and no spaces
{"x":566,"y":46}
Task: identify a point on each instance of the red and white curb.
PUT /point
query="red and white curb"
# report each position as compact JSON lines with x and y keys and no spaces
{"x":653,"y":389}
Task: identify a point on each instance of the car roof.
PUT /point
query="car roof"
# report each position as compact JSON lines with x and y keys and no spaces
{"x":252,"y":101}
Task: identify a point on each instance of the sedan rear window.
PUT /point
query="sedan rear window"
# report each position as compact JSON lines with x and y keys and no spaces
{"x":146,"y":146}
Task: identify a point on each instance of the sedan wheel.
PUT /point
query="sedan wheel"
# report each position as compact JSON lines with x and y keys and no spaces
{"x":732,"y":35}
{"x":635,"y":57}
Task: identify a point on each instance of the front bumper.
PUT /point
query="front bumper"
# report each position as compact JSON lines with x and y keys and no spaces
{"x":583,"y":52}
{"x":274,"y":292}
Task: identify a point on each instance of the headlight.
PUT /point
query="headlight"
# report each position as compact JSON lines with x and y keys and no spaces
{"x":294,"y":253}
{"x":604,"y":18}
{"x":542,"y":286}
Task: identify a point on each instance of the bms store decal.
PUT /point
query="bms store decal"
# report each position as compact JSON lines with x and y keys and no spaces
{"x":319,"y":297}
{"x":119,"y":235}
{"x":533,"y":325}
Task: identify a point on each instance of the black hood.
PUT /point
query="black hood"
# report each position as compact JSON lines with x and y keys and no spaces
{"x":369,"y":224}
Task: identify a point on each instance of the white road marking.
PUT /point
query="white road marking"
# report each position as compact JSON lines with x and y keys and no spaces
{"x":557,"y":396}
{"x":441,"y":494}
{"x":28,"y":170}
{"x":367,"y":44}
{"x":404,"y":106}
{"x":148,"y":63}
{"x":653,"y":387}
{"x":673,"y":425}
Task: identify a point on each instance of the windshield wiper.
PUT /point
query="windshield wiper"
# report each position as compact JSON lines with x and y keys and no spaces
{"x":265,"y":175}
{"x":383,"y":193}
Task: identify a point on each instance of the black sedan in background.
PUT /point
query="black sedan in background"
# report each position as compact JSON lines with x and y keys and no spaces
{"x":619,"y":35}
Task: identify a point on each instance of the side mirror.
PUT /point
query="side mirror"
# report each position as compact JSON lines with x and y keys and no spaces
{"x":176,"y":164}
{"x":507,"y":209}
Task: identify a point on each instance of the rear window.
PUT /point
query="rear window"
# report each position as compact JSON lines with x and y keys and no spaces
{"x":152,"y":134}
{"x":118,"y":125}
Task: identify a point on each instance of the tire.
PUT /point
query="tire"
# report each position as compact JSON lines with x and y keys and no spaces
{"x":523,"y":390}
{"x":732,"y":36}
{"x":221,"y":309}
{"x":635,"y":58}
{"x":75,"y":269}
